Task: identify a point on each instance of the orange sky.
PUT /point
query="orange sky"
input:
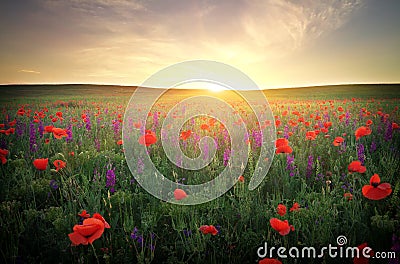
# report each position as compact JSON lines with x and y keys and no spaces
{"x":277,"y":43}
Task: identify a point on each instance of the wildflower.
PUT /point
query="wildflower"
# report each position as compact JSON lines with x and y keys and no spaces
{"x":376,"y":190}
{"x":41,"y":164}
{"x":53,"y":184}
{"x":241,"y":178}
{"x":179,"y":194}
{"x":204,"y":127}
{"x":281,"y":142}
{"x":356,"y":166}
{"x":295,"y":207}
{"x":90,"y":230}
{"x":338,"y":141}
{"x":311,"y":135}
{"x":208,"y":229}
{"x":282,"y":227}
{"x":58,"y":133}
{"x":148,"y":139}
{"x":110,"y":180}
{"x":84,"y":214}
{"x":362,"y":131}
{"x":119,"y":142}
{"x":59,"y":164}
{"x":348,"y":196}
{"x":281,"y":209}
{"x":284,"y":149}
{"x":48,"y":129}
{"x":3,"y":154}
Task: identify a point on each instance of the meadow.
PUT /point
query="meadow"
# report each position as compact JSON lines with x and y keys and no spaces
{"x":62,"y":161}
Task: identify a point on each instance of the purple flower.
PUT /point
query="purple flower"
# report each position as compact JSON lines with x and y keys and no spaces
{"x":41,"y":129}
{"x":360,"y":153}
{"x":97,"y":144}
{"x":290,"y":165}
{"x":139,"y":166}
{"x":187,"y":232}
{"x":88,"y":123}
{"x":110,"y":180}
{"x":68,"y":139}
{"x":53,"y":184}
{"x":310,"y":164}
{"x":389,"y":131}
{"x":20,"y":128}
{"x":373,"y":147}
{"x":286,"y":132}
{"x":32,"y":138}
{"x":227,"y":154}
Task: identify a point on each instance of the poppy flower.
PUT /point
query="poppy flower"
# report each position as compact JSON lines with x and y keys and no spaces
{"x":281,"y":142}
{"x":284,"y":149}
{"x":90,"y":230}
{"x":356,"y":166}
{"x":204,"y":127}
{"x":281,"y":209}
{"x":361,"y":259}
{"x":241,"y":178}
{"x":148,"y":139}
{"x":48,"y":129}
{"x":179,"y":194}
{"x":338,"y":141}
{"x":59,"y":164}
{"x":41,"y":164}
{"x":208,"y":229}
{"x":12,"y":123}
{"x":186,"y":134}
{"x":348,"y":196}
{"x":84,"y":214}
{"x":369,"y":122}
{"x":47,"y":141}
{"x":395,"y":126}
{"x":119,"y":142}
{"x":376,"y":190}
{"x":269,"y":261}
{"x":3,"y":154}
{"x":282,"y":227}
{"x":362,"y":131}
{"x":311,"y":135}
{"x":295,"y":207}
{"x":58,"y":133}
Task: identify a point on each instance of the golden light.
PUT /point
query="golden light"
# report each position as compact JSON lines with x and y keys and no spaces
{"x":214,"y":87}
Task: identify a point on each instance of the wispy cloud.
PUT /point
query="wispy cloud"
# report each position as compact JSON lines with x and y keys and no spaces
{"x":29,"y":71}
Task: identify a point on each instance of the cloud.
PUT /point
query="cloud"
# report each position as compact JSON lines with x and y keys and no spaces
{"x":29,"y":71}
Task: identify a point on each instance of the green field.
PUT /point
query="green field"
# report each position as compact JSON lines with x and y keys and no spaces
{"x":39,"y":208}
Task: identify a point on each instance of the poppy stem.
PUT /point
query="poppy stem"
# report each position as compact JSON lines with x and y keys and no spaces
{"x":94,"y":251}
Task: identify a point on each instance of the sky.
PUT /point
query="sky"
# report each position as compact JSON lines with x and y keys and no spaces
{"x":277,"y":43}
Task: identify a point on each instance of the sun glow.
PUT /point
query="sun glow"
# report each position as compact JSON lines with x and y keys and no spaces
{"x":214,"y":87}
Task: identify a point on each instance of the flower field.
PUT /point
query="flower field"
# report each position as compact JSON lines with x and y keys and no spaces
{"x":67,"y":194}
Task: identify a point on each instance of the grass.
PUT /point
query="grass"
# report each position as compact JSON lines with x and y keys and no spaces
{"x":36,"y":217}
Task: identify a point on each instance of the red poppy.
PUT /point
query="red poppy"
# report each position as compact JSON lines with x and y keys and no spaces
{"x":241,"y":178}
{"x":281,"y":142}
{"x":311,"y":135}
{"x":186,"y":134}
{"x":204,"y":127}
{"x":3,"y":154}
{"x":395,"y":126}
{"x":12,"y":123}
{"x":58,"y":133}
{"x":281,"y":209}
{"x":59,"y":114}
{"x":48,"y":129}
{"x":9,"y":131}
{"x":269,"y":261}
{"x":208,"y":229}
{"x":356,"y":166}
{"x":277,"y":122}
{"x":119,"y":142}
{"x":362,"y":131}
{"x":59,"y":164}
{"x":295,"y":207}
{"x":348,"y":196}
{"x":327,"y":124}
{"x":282,"y":227}
{"x":284,"y":149}
{"x":47,"y":141}
{"x":137,"y":125}
{"x":338,"y":141}
{"x":90,"y":230}
{"x":148,"y":139}
{"x":72,"y":153}
{"x":179,"y":194}
{"x":376,"y":190}
{"x":369,"y":122}
{"x":41,"y":164}
{"x":361,"y":259}
{"x":84,"y":214}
